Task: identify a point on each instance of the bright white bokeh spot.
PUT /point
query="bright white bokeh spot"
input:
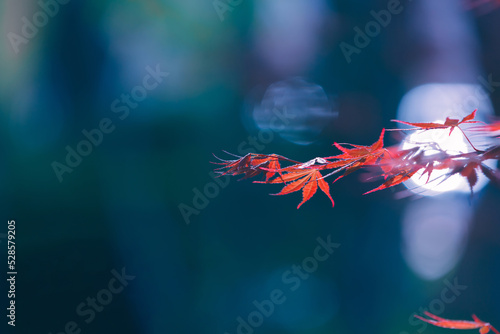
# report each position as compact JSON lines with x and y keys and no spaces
{"x":434,"y":103}
{"x":439,"y":181}
{"x":434,"y":234}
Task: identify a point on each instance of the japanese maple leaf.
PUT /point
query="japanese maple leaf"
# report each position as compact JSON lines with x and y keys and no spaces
{"x":484,"y":327}
{"x":494,"y":128}
{"x":305,"y":176}
{"x":357,"y":157}
{"x":397,"y":176}
{"x":308,"y":180}
{"x":449,"y":123}
{"x":359,"y":151}
{"x":470,"y":173}
{"x":251,"y":165}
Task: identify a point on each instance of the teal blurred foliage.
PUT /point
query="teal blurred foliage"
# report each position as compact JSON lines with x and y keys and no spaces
{"x":119,"y":206}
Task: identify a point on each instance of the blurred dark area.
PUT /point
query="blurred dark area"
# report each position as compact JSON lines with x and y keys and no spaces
{"x":111,"y":112}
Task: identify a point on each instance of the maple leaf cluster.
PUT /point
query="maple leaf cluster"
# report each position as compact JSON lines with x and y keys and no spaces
{"x":394,"y":165}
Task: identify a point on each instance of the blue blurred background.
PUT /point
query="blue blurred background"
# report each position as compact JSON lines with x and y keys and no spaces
{"x":110,"y":113}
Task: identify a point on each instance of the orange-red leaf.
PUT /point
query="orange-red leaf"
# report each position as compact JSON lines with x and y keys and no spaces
{"x":361,"y":151}
{"x":323,"y":185}
{"x":294,"y":186}
{"x":309,"y":190}
{"x":469,"y":171}
{"x":251,"y":165}
{"x":494,"y":128}
{"x":355,"y":158}
{"x":289,"y":176}
{"x":484,"y":327}
{"x":396,"y":179}
{"x":449,"y":122}
{"x":308,"y":181}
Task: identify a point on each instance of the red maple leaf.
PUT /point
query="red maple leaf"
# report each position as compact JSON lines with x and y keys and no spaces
{"x":449,"y":123}
{"x":493,"y":129}
{"x":484,"y":327}
{"x":357,"y":157}
{"x":307,"y":180}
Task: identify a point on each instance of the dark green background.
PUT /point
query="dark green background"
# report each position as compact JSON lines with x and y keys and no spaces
{"x":119,"y":207}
